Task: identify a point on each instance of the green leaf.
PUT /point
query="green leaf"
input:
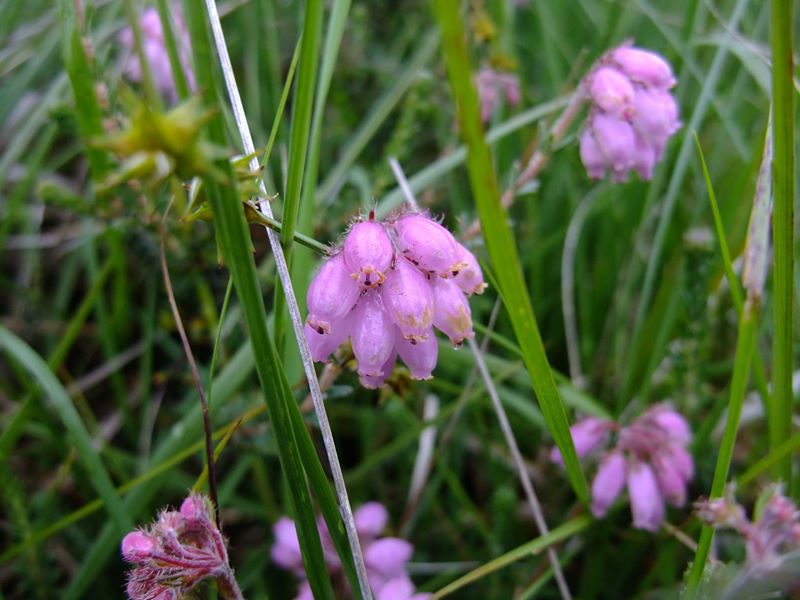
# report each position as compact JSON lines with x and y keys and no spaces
{"x":500,"y":240}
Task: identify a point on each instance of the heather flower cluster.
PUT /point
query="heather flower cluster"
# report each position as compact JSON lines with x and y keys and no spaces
{"x":773,"y":533}
{"x":385,"y":289}
{"x":177,"y":552}
{"x":155,"y":51}
{"x":650,"y":456}
{"x":632,"y":116}
{"x":495,"y":87}
{"x":386,"y":558}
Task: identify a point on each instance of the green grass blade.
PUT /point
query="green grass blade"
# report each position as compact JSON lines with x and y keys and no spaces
{"x":783,"y":173}
{"x":500,"y":240}
{"x":532,"y":548}
{"x":170,"y":43}
{"x":62,"y":404}
{"x":301,"y":117}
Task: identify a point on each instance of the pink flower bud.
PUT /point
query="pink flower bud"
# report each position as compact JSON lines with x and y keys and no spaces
{"x":672,"y":423}
{"x":670,"y":481}
{"x":644,"y":67}
{"x":368,"y":253}
{"x":428,"y":245}
{"x":616,"y":142}
{"x":681,"y":460}
{"x":408,"y":298}
{"x":451,"y":313}
{"x":591,"y":155}
{"x":286,"y":550}
{"x":608,"y":483}
{"x":470,"y":278}
{"x":321,"y":345}
{"x":655,"y":117}
{"x":137,"y":546}
{"x":611,"y":91}
{"x":371,"y":519}
{"x":420,"y":358}
{"x":372,"y":335}
{"x":193,"y":508}
{"x":645,"y":160}
{"x":587,"y":434}
{"x":647,"y":505}
{"x":388,"y":556}
{"x":331,"y":295}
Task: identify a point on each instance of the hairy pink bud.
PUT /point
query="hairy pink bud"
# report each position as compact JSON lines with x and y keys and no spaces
{"x":420,"y":358}
{"x":470,"y":278}
{"x":451,"y":313}
{"x":608,"y":483}
{"x":368,"y":253}
{"x":643,"y":66}
{"x":615,"y":139}
{"x":428,"y":245}
{"x":331,"y":295}
{"x":611,"y":91}
{"x":408,"y":298}
{"x":372,"y":335}
{"x":137,"y":546}
{"x":647,"y":505}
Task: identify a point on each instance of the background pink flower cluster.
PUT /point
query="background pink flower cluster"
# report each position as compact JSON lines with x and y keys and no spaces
{"x":386,"y":558}
{"x":650,"y":456}
{"x":385,"y":289}
{"x":633,"y":114}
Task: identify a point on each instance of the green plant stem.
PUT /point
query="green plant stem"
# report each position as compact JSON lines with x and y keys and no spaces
{"x":148,"y":82}
{"x":780,"y":415}
{"x":175,"y":64}
{"x":745,"y":346}
{"x":500,"y":240}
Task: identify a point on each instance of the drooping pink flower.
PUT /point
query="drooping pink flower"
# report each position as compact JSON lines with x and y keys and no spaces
{"x":408,"y":298}
{"x":371,"y":519}
{"x":286,"y":549}
{"x":608,"y":483}
{"x":332,"y":294}
{"x":368,"y":253}
{"x":493,"y":87}
{"x":470,"y":277}
{"x":428,"y":245}
{"x":587,"y":434}
{"x":420,"y":357}
{"x":372,"y":335}
{"x":632,"y":114}
{"x":647,"y":503}
{"x":451,"y":314}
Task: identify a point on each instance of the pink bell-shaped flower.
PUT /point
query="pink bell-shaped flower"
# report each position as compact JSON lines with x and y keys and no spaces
{"x":615,"y":139}
{"x":408,"y":298}
{"x":608,"y":483}
{"x":647,"y":504}
{"x":322,"y":345}
{"x":137,"y":546}
{"x":331,"y":295}
{"x":368,"y":253}
{"x":611,"y":91}
{"x":373,"y":382}
{"x":451,"y":314}
{"x":645,"y":67}
{"x":670,"y":481}
{"x":470,"y":277}
{"x":428,"y":245}
{"x":420,"y":358}
{"x":587,"y":434}
{"x":372,"y":335}
{"x":371,"y":519}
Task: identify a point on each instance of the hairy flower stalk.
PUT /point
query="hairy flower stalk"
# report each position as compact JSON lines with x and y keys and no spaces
{"x":632,"y":114}
{"x":650,"y":456}
{"x":386,"y":289}
{"x":386,"y":557}
{"x":177,"y":552}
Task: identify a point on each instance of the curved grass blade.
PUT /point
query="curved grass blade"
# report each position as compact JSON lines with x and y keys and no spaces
{"x":500,"y":240}
{"x":62,"y":404}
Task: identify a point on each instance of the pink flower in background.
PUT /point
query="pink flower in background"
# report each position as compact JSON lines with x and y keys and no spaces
{"x":386,"y":558}
{"x":650,"y":458}
{"x":632,"y":116}
{"x":494,"y":87}
{"x":179,"y":551}
{"x":156,"y":52}
{"x":386,"y":290}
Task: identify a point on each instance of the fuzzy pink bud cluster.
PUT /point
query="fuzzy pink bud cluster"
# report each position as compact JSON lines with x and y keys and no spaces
{"x":177,"y":552}
{"x":650,"y":456}
{"x":155,"y":51}
{"x":388,"y":286}
{"x":772,"y":533}
{"x":495,"y":87}
{"x":386,"y":558}
{"x":633,"y":114}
